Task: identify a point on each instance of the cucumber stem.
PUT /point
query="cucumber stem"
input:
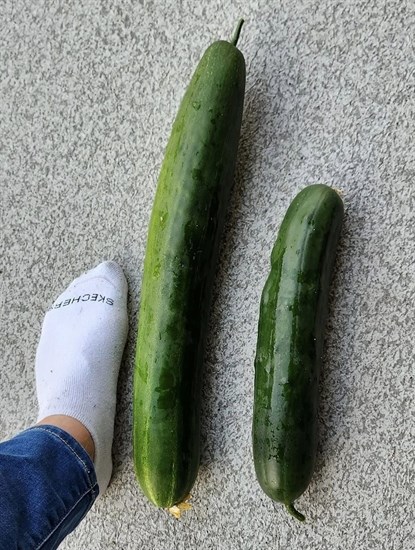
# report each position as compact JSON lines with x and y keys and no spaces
{"x":237,"y":32}
{"x":294,"y":512}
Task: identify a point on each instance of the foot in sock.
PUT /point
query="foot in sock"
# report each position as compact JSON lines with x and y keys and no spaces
{"x":79,"y":355}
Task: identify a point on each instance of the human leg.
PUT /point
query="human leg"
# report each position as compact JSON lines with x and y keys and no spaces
{"x":77,"y":364}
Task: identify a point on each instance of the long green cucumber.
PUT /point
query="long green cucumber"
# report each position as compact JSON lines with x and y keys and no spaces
{"x":289,"y":348}
{"x":182,"y":247}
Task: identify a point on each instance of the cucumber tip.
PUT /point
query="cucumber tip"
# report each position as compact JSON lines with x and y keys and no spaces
{"x":295,"y":513}
{"x":177,"y":510}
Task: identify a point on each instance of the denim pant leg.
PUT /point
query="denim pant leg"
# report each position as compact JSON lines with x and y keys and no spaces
{"x":47,"y":485}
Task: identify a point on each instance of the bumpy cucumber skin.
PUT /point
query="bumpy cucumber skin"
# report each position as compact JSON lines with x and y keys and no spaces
{"x":185,"y":228}
{"x":292,"y":317}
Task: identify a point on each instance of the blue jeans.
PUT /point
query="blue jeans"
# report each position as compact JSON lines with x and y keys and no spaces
{"x":47,"y":485}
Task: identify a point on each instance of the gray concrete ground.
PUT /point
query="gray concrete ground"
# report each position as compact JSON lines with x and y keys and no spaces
{"x":88,"y":93}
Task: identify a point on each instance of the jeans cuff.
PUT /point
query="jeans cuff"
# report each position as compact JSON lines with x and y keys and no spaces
{"x":75,"y":447}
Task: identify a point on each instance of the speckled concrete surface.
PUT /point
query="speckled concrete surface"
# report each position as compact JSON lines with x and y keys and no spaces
{"x":88,"y":93}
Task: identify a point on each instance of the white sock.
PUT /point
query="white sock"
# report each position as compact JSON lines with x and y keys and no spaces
{"x":79,"y":355}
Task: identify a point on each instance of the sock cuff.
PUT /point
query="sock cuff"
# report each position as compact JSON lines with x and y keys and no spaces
{"x":102,"y":462}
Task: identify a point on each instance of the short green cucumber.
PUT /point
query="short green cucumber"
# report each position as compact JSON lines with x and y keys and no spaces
{"x":185,"y":228}
{"x":292,"y":317}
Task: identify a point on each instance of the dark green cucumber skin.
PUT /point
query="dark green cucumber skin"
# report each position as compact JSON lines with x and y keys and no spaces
{"x":185,"y":228}
{"x":292,"y":317}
